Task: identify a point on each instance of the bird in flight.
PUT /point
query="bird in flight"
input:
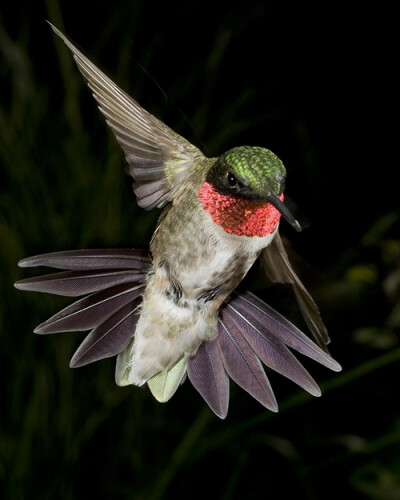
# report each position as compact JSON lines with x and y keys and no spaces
{"x":173,"y":312}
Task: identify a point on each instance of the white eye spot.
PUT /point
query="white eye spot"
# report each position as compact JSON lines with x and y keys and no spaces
{"x":232,"y":181}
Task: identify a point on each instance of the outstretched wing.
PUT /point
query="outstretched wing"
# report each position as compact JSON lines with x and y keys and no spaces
{"x":276,"y":264}
{"x":158,"y":158}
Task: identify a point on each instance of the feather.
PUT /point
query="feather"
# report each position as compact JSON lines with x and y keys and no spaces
{"x":122,"y":368}
{"x":249,"y":332}
{"x":109,"y":338}
{"x":282,"y":329}
{"x":207,"y":374}
{"x":81,"y":260}
{"x":161,"y":164}
{"x":148,"y":143}
{"x":92,"y":310}
{"x":276,"y":264}
{"x":271,"y":352}
{"x":242,"y":365}
{"x":164,"y":384}
{"x":76,"y":283}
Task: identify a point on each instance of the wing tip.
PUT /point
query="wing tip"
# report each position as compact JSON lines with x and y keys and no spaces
{"x":56,"y":31}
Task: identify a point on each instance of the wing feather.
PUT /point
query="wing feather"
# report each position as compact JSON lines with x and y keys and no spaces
{"x":147,"y":142}
{"x":278,"y":268}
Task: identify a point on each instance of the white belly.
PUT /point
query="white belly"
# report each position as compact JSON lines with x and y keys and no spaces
{"x":171,"y":327}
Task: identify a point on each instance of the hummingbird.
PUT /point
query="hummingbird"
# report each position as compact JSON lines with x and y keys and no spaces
{"x":174,"y":313}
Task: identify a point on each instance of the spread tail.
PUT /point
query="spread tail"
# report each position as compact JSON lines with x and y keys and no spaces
{"x":114,"y":280}
{"x":250,"y":333}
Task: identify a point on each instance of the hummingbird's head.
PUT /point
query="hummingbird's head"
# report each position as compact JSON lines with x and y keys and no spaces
{"x":251,"y":173}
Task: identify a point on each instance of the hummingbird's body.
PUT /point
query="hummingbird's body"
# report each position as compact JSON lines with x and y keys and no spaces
{"x":196,"y":265}
{"x":174,"y":312}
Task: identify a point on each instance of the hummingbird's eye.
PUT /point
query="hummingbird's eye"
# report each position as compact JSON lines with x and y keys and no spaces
{"x":232,"y":181}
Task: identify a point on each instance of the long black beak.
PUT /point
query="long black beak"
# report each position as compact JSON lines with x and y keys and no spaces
{"x":283,"y":209}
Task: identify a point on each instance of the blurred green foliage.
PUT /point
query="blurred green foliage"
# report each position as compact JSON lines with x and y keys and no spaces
{"x":70,"y":434}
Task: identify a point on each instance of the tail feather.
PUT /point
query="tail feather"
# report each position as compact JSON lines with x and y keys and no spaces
{"x":92,"y":310}
{"x":76,"y":283}
{"x":241,"y":363}
{"x":208,"y":376}
{"x":282,"y":329}
{"x":109,"y":338}
{"x":113,"y":281}
{"x":249,"y":332}
{"x":271,"y":352}
{"x":81,"y":260}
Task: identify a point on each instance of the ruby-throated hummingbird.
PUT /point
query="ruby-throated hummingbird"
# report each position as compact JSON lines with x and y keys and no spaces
{"x":173,"y":312}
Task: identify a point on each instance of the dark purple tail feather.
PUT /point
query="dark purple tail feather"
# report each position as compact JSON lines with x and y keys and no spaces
{"x":115,"y":281}
{"x":110,"y":337}
{"x":241,"y":363}
{"x":81,"y":260}
{"x":77,"y":283}
{"x":284,"y":331}
{"x":91,"y":311}
{"x":249,"y":330}
{"x":271,"y":352}
{"x":207,"y":374}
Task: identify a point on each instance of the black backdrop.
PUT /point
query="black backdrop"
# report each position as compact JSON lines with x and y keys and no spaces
{"x":316,"y":86}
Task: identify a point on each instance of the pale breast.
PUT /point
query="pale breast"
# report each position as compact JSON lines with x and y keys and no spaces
{"x":196,"y":266}
{"x":202,"y":260}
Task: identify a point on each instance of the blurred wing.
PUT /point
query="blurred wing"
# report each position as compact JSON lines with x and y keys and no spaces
{"x":158,"y":158}
{"x":276,"y":264}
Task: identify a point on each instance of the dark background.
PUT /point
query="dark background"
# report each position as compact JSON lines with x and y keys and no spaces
{"x":316,"y":86}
